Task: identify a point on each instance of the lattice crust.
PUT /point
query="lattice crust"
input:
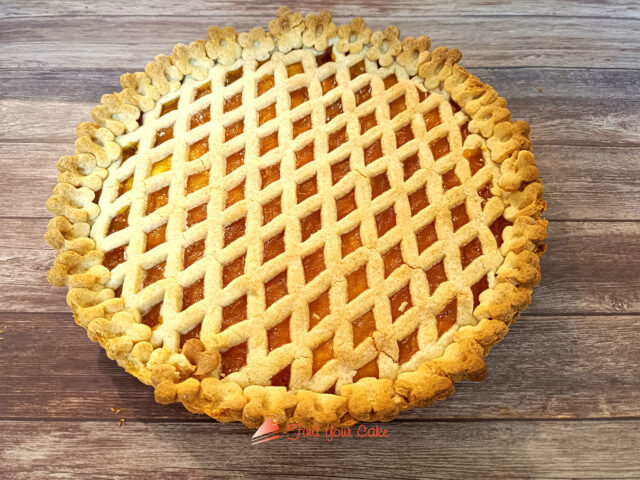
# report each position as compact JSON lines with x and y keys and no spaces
{"x":300,"y":230}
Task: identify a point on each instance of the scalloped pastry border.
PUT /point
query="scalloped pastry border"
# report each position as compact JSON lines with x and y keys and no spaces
{"x":184,"y":377}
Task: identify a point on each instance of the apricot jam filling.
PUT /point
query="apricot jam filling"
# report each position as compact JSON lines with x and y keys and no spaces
{"x":164,"y":135}
{"x":404,"y":135}
{"x":193,"y":253}
{"x":279,"y":335}
{"x":200,"y":118}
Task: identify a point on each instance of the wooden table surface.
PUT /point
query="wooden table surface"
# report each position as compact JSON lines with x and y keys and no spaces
{"x":562,"y":399}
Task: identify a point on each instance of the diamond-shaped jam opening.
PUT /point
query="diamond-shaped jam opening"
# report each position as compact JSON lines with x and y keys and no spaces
{"x":318,"y":309}
{"x":439,"y":147}
{"x":447,"y":317}
{"x":119,"y":222}
{"x":464,"y":131}
{"x":397,"y":106}
{"x":233,"y":130}
{"x":193,"y":253}
{"x":363,"y":328}
{"x":266,"y":114}
{"x":234,"y":161}
{"x":270,"y":174}
{"x":279,"y":335}
{"x":234,"y":313}
{"x":273,"y":247}
{"x":157,"y":199}
{"x":310,"y":224}
{"x":163,"y":135}
{"x":129,"y":151}
{"x":232,"y":102}
{"x":436,"y":275}
{"x":153,"y":318}
{"x":369,"y":369}
{"x":337,"y":138}
{"x":233,"y":359}
{"x":390,"y":81}
{"x":199,"y":118}
{"x":267,"y":82}
{"x":418,"y":200}
{"x":294,"y":69}
{"x":333,"y":110}
{"x":170,"y":106}
{"x":357,"y":282}
{"x":426,"y":237}
{"x":313,"y":264}
{"x":432,"y":118}
{"x":304,"y":155}
{"x":162,"y":166}
{"x":346,"y":204}
{"x":329,"y":84}
{"x":477,"y":288}
{"x":153,"y":274}
{"x":268,"y":143}
{"x":470,"y":252}
{"x":459,"y":216}
{"x":282,"y":378}
{"x":410,"y":166}
{"x":392,"y":259}
{"x":232,"y":76}
{"x":234,"y":231}
{"x":373,"y":152}
{"x":114,"y":257}
{"x":321,"y":355}
{"x":156,"y":237}
{"x":485,"y":194}
{"x":422,"y":95}
{"x":408,"y":347}
{"x":193,"y":333}
{"x":356,"y":69}
{"x":475,"y":159}
{"x":367,"y":122}
{"x":340,"y":169}
{"x":400,"y":302}
{"x":385,"y":220}
{"x":450,"y":180}
{"x":379,"y":185}
{"x":455,"y":108}
{"x":302,"y":125}
{"x":125,"y":186}
{"x":498,"y":227}
{"x":192,"y":294}
{"x":196,"y":215}
{"x":363,"y":94}
{"x":325,"y":57}
{"x":232,"y":270}
{"x":350,"y":241}
{"x":197,"y":181}
{"x":276,"y":288}
{"x":96,"y":196}
{"x":271,"y":210}
{"x":404,"y":135}
{"x":298,"y":97}
{"x":203,"y":90}
{"x":307,"y":189}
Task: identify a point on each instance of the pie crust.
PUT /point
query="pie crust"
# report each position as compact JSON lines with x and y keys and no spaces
{"x":315,"y":224}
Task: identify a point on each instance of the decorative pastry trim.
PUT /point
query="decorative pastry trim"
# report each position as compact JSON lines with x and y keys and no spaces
{"x":184,"y":376}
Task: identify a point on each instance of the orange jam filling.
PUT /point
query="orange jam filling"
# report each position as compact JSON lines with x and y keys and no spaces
{"x":404,"y":135}
{"x":390,"y":81}
{"x":169,"y":106}
{"x":156,"y":237}
{"x":114,"y":257}
{"x":232,"y":103}
{"x":197,"y":181}
{"x":129,"y":152}
{"x":152,"y":318}
{"x":325,"y":57}
{"x":163,"y":135}
{"x":234,"y":231}
{"x":322,"y":355}
{"x":282,"y":378}
{"x":337,"y":138}
{"x":426,"y":237}
{"x":470,"y":252}
{"x":270,"y":174}
{"x":373,"y":152}
{"x":198,"y":149}
{"x":119,"y":222}
{"x":329,"y":84}
{"x":400,"y":302}
{"x":298,"y":97}
{"x":408,"y":347}
{"x":410,"y":166}
{"x":422,"y":96}
{"x":193,"y":333}
{"x":397,"y":106}
{"x":357,"y":283}
{"x":432,"y":118}
{"x":485,"y":194}
{"x":232,"y":270}
{"x":363,"y":94}
{"x":350,"y":241}
{"x":476,"y":162}
{"x":193,"y":253}
{"x":162,"y":166}
{"x":304,"y":155}
{"x":233,"y":130}
{"x":367,"y":370}
{"x":464,"y":131}
{"x":363,"y":328}
{"x":294,"y":69}
{"x":454,"y":106}
{"x":357,"y":69}
{"x":234,"y":313}
{"x":125,"y":186}
{"x":234,"y":161}
{"x":392,"y":259}
{"x":498,"y":227}
{"x":271,"y":210}
{"x":439,"y":147}
{"x":196,"y":215}
{"x":199,"y":118}
{"x":385,"y":220}
{"x":340,"y":169}
{"x":477,"y":288}
{"x":232,"y":76}
{"x":436,"y":275}
{"x":310,"y":224}
{"x":313,"y":265}
{"x":202,"y":91}
{"x":459,"y":216}
{"x":379,"y":185}
{"x":266,"y":114}
{"x":333,"y":110}
{"x":153,"y":275}
{"x":268,"y":143}
{"x":192,"y":294}
{"x":346,"y":204}
{"x":318,"y":309}
{"x":278,"y":335}
{"x":234,"y":359}
{"x":157,"y":199}
{"x":367,"y":122}
{"x":276,"y":288}
{"x":306,"y":189}
{"x":235,"y":195}
{"x":418,"y":201}
{"x":273,"y":247}
{"x":450,"y":180}
{"x":302,"y":125}
{"x":447,"y":317}
{"x":267,"y":82}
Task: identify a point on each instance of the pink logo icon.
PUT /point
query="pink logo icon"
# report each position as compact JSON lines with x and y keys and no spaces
{"x":269,"y":430}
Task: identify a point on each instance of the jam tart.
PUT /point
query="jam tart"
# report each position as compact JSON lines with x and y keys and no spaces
{"x":315,"y":224}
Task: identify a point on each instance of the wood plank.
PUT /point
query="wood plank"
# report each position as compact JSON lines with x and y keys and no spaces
{"x":575,"y":106}
{"x":567,"y":449}
{"x":74,"y":42}
{"x":571,"y":284}
{"x":375,"y":8}
{"x":568,"y":174}
{"x":544,"y":369}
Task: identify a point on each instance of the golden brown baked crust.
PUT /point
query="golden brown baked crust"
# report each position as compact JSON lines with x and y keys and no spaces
{"x":186,"y":376}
